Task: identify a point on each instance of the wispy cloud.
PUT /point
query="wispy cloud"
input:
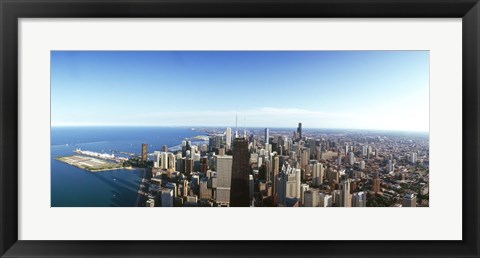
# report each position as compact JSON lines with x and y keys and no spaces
{"x":266,"y":116}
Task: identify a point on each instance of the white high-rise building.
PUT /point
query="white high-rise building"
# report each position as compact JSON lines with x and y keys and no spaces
{"x":390,"y":166}
{"x":228,"y":137}
{"x":292,"y":188}
{"x":414,"y":157}
{"x":193,"y":151}
{"x":318,"y":174}
{"x":288,"y":183}
{"x":351,"y":158}
{"x":224,"y":178}
{"x":364,"y":150}
{"x":156,"y":159}
{"x":359,"y":199}
{"x":164,"y":161}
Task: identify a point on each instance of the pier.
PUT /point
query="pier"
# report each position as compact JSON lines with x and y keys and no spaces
{"x":90,"y":163}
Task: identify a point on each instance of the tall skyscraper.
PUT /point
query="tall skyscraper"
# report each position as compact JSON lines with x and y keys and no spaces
{"x":390,"y":166}
{"x":312,"y":146}
{"x":275,"y":170}
{"x":351,"y":158}
{"x":318,"y":153}
{"x":188,"y":166}
{"x":223,"y":179}
{"x":293,"y":183}
{"x":288,"y":183}
{"x":204,"y":164}
{"x":318,"y":174}
{"x":228,"y":137}
{"x":184,"y":148}
{"x":239,"y":193}
{"x":346,"y":197}
{"x":299,"y":130}
{"x":414,"y":157}
{"x":304,"y":157}
{"x":185,"y":188}
{"x":156,"y":159}
{"x":144,"y":152}
{"x":364,"y":150}
{"x":266,"y":139}
{"x":164,"y":161}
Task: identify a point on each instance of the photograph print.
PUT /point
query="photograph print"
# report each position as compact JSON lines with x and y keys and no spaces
{"x":265,"y":129}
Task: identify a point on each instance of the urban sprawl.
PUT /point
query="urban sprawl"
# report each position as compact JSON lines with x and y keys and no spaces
{"x":281,"y":168}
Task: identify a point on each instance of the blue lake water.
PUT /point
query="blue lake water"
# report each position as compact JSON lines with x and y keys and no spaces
{"x":74,"y":187}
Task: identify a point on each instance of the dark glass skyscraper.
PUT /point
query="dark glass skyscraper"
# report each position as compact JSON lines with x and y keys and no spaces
{"x":239,"y":190}
{"x":299,"y":130}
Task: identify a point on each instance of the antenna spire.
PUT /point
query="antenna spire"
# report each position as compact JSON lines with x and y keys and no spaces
{"x":236,"y":125}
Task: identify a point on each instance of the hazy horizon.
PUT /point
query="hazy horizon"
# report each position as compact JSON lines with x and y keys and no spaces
{"x":240,"y":128}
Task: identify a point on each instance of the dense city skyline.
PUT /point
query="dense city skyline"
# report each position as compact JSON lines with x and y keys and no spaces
{"x":220,"y":167}
{"x":370,"y":90}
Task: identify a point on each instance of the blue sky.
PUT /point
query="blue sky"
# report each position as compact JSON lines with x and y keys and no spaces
{"x":384,"y":90}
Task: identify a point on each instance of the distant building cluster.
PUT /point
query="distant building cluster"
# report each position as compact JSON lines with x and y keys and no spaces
{"x":278,"y":168}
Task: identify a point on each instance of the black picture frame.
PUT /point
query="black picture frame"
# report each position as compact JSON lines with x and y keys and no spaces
{"x":12,"y":10}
